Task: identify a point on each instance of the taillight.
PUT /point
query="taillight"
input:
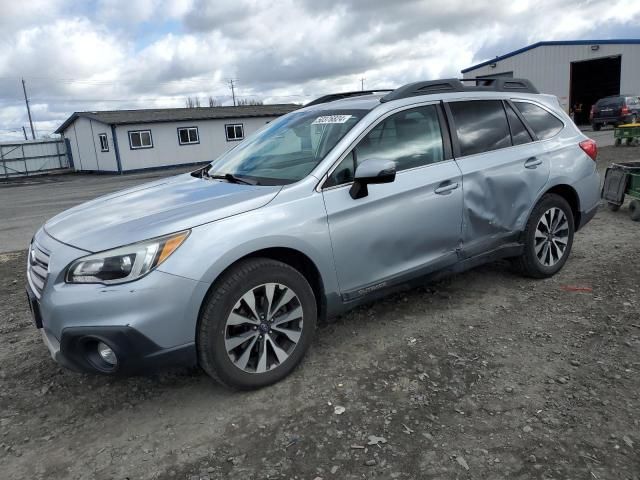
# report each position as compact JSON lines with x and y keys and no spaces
{"x":624,"y":110}
{"x":593,"y":112}
{"x":590,"y":147}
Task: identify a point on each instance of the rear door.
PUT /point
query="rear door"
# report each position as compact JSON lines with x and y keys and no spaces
{"x":503,"y":171}
{"x":401,"y":229}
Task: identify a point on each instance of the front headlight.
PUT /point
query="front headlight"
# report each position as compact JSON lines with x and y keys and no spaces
{"x":124,"y":264}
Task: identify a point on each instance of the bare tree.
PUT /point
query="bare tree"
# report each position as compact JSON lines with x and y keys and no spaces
{"x":247,"y":101}
{"x":192,"y":102}
{"x":213,"y":102}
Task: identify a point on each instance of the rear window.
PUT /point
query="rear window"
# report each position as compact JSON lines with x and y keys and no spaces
{"x":610,"y":102}
{"x":481,"y":126}
{"x":544,"y":124}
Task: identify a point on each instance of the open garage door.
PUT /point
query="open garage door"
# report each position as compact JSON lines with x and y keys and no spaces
{"x":592,"y":80}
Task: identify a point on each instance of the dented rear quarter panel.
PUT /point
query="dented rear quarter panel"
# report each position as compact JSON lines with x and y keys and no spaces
{"x":570,"y":165}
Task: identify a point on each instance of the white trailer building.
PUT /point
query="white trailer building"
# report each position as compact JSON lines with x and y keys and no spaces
{"x":578,"y":72}
{"x":131,"y":140}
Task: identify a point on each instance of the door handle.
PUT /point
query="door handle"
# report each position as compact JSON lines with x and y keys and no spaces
{"x":444,"y":189}
{"x":532,"y":162}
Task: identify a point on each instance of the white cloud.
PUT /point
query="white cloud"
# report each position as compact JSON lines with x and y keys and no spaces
{"x":148,"y":53}
{"x":127,"y":12}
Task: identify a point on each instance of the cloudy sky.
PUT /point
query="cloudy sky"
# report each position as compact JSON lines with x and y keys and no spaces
{"x":113,"y":54}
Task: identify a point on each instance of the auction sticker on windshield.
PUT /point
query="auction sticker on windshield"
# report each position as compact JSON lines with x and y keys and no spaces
{"x":331,"y":119}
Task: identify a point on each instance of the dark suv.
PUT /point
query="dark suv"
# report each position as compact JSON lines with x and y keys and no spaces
{"x":616,"y":110}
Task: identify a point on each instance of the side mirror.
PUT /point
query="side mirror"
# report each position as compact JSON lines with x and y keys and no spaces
{"x":369,"y":172}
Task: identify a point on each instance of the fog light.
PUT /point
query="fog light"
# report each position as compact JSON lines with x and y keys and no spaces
{"x":107,"y":354}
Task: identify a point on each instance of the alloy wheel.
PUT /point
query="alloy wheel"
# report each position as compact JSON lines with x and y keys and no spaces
{"x":263,"y":328}
{"x":551,"y":237}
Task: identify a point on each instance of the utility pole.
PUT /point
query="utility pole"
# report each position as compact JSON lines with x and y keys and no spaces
{"x":26,"y":100}
{"x":233,"y":91}
{"x":362,"y":83}
{"x":24,"y":130}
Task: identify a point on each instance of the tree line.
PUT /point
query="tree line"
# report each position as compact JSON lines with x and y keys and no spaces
{"x":194,"y":102}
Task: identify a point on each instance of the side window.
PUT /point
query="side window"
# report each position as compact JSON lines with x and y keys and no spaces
{"x":411,"y":138}
{"x":140,"y":139}
{"x":188,"y":135}
{"x":234,"y":131}
{"x":519,"y":134}
{"x":104,"y":143}
{"x":481,"y":126}
{"x":344,"y":171}
{"x":544,"y":124}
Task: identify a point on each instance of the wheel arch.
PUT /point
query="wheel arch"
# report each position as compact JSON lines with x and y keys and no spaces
{"x":287,"y":255}
{"x":565,"y":191}
{"x":571,"y":196}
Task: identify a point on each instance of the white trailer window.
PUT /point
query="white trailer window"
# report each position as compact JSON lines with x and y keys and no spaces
{"x":140,"y":139}
{"x":188,"y":135}
{"x":104,"y":143}
{"x":234,"y":131}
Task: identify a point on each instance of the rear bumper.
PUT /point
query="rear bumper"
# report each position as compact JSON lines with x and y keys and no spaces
{"x":614,"y":120}
{"x":586,"y":217}
{"x":135,"y":353}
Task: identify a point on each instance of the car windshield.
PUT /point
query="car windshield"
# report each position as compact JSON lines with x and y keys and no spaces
{"x":287,"y":149}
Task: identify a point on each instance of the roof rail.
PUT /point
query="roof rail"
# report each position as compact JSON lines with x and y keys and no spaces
{"x":487,"y":84}
{"x":338,"y":96}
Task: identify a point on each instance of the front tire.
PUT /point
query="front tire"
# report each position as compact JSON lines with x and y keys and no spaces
{"x":596,"y":127}
{"x":256,"y":324}
{"x":548,"y":238}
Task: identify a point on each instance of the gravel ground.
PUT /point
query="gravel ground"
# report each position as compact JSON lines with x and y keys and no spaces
{"x":482,"y":375}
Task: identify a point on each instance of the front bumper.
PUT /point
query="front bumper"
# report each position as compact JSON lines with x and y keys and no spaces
{"x":135,"y":353}
{"x":148,"y":323}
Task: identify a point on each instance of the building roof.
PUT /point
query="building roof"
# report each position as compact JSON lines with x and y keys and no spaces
{"x":628,"y":41}
{"x":154,"y":115}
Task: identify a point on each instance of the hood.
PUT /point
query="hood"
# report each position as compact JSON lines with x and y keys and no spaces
{"x":154,"y":209}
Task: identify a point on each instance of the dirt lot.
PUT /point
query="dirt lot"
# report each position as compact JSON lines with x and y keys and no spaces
{"x":483,"y":375}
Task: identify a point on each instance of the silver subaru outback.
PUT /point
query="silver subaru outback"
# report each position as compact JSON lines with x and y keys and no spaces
{"x":358,"y":194}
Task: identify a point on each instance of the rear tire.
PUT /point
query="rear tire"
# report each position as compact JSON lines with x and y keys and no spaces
{"x":256,"y":324}
{"x":613,"y":207}
{"x":548,"y":237}
{"x":634,"y":208}
{"x":596,"y":127}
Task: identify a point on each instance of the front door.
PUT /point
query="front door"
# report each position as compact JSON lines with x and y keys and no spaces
{"x":401,"y":229}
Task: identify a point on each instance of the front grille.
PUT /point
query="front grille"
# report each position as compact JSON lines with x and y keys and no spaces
{"x":37,"y":268}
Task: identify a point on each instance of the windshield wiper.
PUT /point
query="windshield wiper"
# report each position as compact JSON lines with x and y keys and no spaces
{"x":229,"y":177}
